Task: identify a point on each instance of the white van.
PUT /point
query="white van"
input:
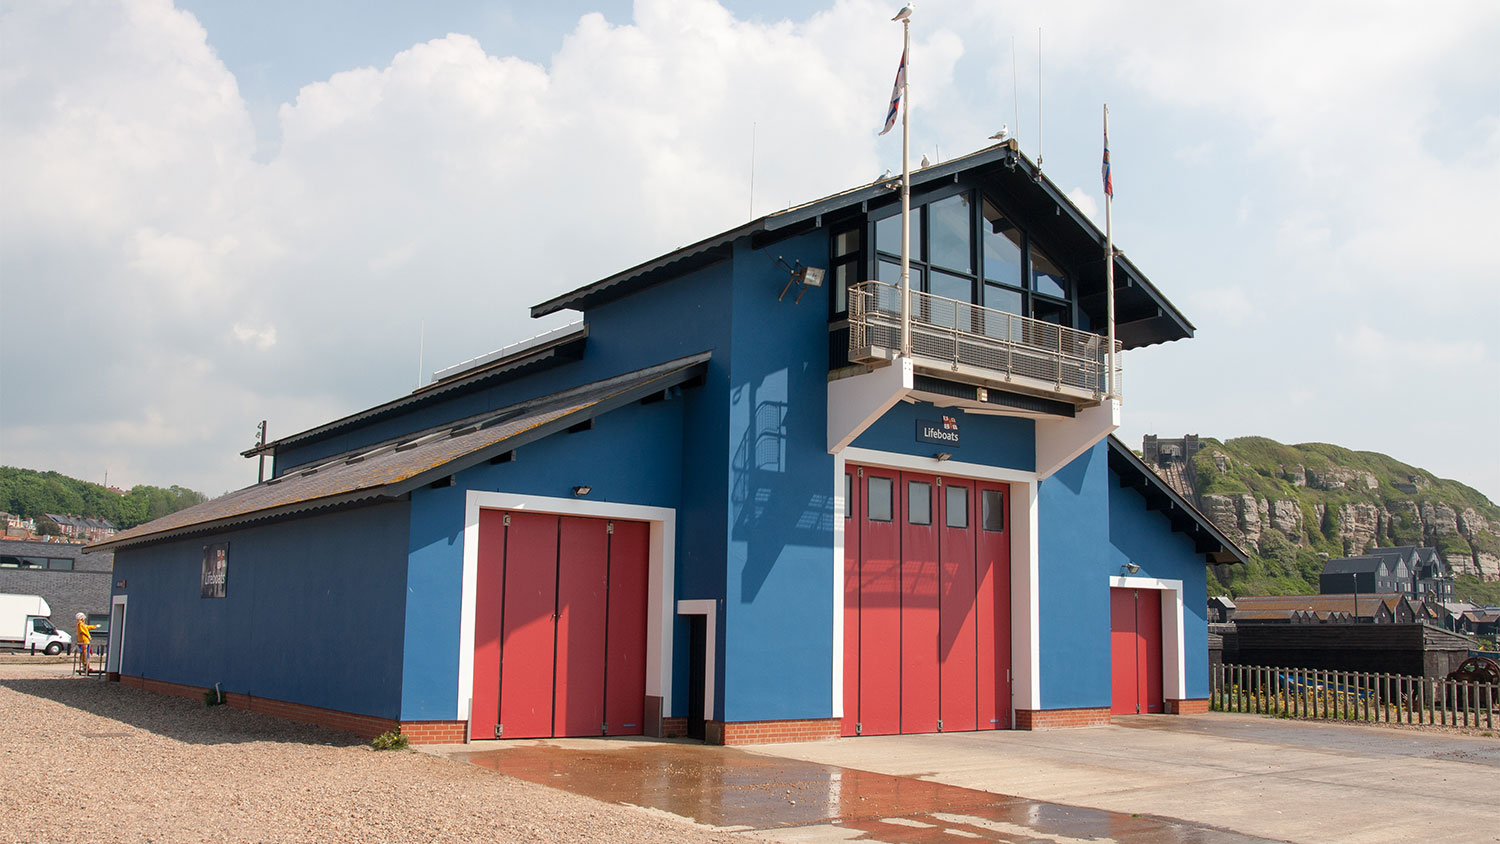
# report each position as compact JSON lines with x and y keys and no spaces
{"x":24,"y":624}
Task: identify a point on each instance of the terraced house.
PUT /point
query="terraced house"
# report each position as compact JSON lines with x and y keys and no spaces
{"x":730,"y":502}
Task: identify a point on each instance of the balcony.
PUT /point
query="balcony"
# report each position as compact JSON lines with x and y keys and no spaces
{"x":989,"y":348}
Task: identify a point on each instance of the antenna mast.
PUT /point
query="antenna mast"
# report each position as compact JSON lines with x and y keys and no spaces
{"x":1015,"y":89}
{"x":1038,"y":98}
{"x":752,"y":169}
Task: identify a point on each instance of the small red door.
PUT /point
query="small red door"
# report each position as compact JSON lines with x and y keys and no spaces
{"x":1135,"y":650}
{"x":489,"y":589}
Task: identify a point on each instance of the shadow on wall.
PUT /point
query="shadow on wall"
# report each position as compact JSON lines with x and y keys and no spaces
{"x":177,"y":718}
{"x":775,"y":505}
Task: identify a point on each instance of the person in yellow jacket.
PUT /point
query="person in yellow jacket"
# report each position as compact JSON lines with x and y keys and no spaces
{"x":83,"y":640}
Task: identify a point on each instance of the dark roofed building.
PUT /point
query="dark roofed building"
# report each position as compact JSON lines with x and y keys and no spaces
{"x":1390,"y":608}
{"x":1365,"y":575}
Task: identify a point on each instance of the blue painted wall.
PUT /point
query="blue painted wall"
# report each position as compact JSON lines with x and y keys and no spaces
{"x":1089,"y":528}
{"x":314,"y":611}
{"x":1003,"y":441}
{"x":1073,"y":583}
{"x":778,"y":616}
{"x":1146,"y":538}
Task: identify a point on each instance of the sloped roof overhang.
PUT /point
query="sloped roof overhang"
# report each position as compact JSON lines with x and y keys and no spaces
{"x":391,"y":470}
{"x":1208,"y":540}
{"x":1144,"y":315}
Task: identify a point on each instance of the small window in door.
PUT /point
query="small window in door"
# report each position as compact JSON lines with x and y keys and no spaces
{"x":992,"y":501}
{"x":918,"y":503}
{"x":879,"y":493}
{"x":957,"y":507}
{"x":848,"y":496}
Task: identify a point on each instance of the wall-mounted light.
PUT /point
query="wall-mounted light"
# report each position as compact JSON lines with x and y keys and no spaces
{"x":581,"y":491}
{"x":802,"y":276}
{"x":1131,"y":568}
{"x":941,"y":456}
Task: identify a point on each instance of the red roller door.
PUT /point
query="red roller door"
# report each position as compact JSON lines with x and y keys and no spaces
{"x":1135,"y":650}
{"x":926,"y":606}
{"x":560,"y":626}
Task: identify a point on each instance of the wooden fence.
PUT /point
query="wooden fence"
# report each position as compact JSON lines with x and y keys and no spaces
{"x":1352,"y":696}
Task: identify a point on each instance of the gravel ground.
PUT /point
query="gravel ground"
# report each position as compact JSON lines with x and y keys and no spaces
{"x":163,"y":769}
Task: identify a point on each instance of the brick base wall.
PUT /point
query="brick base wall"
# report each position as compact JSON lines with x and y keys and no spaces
{"x":364,"y":726}
{"x":766,"y":732}
{"x":674,"y":727}
{"x":1047,"y":719}
{"x":1187,"y":707}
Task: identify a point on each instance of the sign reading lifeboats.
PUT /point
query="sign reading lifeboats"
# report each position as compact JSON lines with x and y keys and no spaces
{"x":944,"y":432}
{"x":215,"y":569}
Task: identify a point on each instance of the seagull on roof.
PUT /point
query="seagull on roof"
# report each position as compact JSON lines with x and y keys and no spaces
{"x":1002,"y":134}
{"x":905,"y":12}
{"x":925,"y":162}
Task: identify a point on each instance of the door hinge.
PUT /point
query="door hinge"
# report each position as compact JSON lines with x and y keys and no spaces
{"x":859,"y":727}
{"x":499,"y":730}
{"x":604,"y":728}
{"x":939,"y":482}
{"x":940,"y":725}
{"x":609,"y":527}
{"x":507,"y":520}
{"x":860,"y":471}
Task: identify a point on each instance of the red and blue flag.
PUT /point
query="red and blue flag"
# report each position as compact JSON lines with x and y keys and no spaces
{"x":896,"y":92}
{"x":1109,"y":182}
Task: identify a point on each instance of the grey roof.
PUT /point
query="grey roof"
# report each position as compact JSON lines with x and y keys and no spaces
{"x":1207,"y":538}
{"x":388,"y":470}
{"x":562,"y":345}
{"x":1145,"y":315}
{"x":1355,"y":565}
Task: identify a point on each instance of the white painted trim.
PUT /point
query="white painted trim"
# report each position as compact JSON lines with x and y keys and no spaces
{"x":1025,"y":567}
{"x":1173,"y":648}
{"x":854,"y":403}
{"x":709,"y":608}
{"x":1025,"y":597}
{"x":1060,"y":441}
{"x":839,"y":506}
{"x":661,"y":558}
{"x":115,"y":659}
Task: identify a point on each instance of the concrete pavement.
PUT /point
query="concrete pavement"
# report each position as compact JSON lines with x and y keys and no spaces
{"x":1312,"y":782}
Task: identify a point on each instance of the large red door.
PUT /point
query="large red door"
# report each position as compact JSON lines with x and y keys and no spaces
{"x":992,"y":606}
{"x":926,"y":605}
{"x":880,"y":605}
{"x":958,"y":623}
{"x":560,"y":626}
{"x":1135,"y":650}
{"x":853,"y":506}
{"x":526,"y":649}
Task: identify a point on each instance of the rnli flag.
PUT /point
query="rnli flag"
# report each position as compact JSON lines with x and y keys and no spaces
{"x":896,"y":92}
{"x":1109,"y":182}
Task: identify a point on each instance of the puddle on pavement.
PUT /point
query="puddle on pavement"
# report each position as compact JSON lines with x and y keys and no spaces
{"x":729,"y":788}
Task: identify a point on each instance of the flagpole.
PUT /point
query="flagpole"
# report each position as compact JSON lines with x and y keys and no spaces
{"x":906,"y":191}
{"x":1109,"y":264}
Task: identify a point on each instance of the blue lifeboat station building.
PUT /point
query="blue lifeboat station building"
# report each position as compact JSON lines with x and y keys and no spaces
{"x":725,"y":504}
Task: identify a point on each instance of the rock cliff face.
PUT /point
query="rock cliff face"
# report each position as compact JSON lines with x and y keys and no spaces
{"x":1325,"y":500}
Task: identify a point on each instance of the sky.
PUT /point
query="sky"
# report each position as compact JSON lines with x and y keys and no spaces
{"x":214,"y":213}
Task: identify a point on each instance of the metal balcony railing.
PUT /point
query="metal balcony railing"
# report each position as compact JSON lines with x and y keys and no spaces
{"x":979,"y":342}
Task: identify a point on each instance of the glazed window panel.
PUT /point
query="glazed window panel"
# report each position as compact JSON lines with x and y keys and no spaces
{"x":879,"y":494}
{"x":992,"y":503}
{"x":888,"y":234}
{"x":1002,"y":247}
{"x":949,"y":237}
{"x":1047,"y":278}
{"x":918,"y":503}
{"x":956,"y":507}
{"x":848,"y":496}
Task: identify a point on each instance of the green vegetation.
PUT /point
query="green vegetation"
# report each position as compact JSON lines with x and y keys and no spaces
{"x":28,"y":493}
{"x":1285,"y":565}
{"x":390,"y":740}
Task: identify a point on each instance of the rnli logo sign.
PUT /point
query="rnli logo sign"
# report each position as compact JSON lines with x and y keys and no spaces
{"x":938,"y":432}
